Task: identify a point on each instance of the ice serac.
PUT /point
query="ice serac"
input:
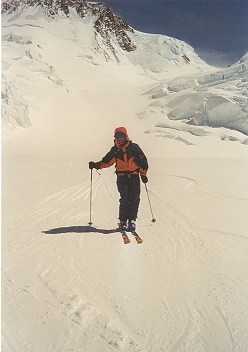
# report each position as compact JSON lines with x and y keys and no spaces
{"x":216,"y":99}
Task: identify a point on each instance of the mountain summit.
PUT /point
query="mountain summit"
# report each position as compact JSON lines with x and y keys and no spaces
{"x":107,"y":24}
{"x":49,"y":40}
{"x":111,"y":36}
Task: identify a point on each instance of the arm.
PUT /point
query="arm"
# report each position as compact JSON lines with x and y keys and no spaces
{"x":140,"y":159}
{"x":108,"y":160}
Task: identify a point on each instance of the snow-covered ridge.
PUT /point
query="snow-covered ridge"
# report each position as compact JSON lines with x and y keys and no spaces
{"x":107,"y":24}
{"x":243,"y":59}
{"x":114,"y":38}
{"x":159,"y":53}
{"x":33,"y":31}
{"x":43,"y":39}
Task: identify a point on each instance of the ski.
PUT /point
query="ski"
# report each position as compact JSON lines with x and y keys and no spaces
{"x":125,"y":237}
{"x":137,"y":237}
{"x":124,"y":229}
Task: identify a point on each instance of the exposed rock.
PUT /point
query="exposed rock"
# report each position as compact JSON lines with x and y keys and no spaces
{"x":112,"y":28}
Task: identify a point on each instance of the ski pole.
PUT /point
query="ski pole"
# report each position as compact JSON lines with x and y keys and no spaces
{"x":153,"y":219}
{"x":91,"y":181}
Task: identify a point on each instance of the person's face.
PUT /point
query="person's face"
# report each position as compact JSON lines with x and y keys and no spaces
{"x":120,"y":138}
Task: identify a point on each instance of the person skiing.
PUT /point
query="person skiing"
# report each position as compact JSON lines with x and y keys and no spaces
{"x":131,"y":164}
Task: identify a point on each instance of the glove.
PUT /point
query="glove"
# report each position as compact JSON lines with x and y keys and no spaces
{"x":144,"y":178}
{"x":93,"y":165}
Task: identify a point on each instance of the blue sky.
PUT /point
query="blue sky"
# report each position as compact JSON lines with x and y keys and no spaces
{"x":217,"y":29}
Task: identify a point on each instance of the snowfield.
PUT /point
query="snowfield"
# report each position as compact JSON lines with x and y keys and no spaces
{"x":70,"y":287}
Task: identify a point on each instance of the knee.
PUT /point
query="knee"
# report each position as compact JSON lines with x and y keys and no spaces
{"x":123,"y":200}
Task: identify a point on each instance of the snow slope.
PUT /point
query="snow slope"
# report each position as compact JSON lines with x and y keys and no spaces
{"x":70,"y":287}
{"x":24,"y":48}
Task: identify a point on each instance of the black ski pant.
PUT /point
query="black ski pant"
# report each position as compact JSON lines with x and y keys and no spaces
{"x":129,"y":189}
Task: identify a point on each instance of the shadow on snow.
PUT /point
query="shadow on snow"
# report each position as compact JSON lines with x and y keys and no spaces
{"x":79,"y":229}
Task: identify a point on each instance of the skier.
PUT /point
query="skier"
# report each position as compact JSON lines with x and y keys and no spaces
{"x":130,"y":162}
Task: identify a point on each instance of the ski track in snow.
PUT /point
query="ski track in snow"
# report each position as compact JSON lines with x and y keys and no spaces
{"x":175,"y":238}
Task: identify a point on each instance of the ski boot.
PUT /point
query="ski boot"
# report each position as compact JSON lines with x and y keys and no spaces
{"x":123,"y":228}
{"x":131,"y":226}
{"x":132,"y":229}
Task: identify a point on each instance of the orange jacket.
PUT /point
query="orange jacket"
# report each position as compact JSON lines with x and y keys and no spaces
{"x":128,"y":159}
